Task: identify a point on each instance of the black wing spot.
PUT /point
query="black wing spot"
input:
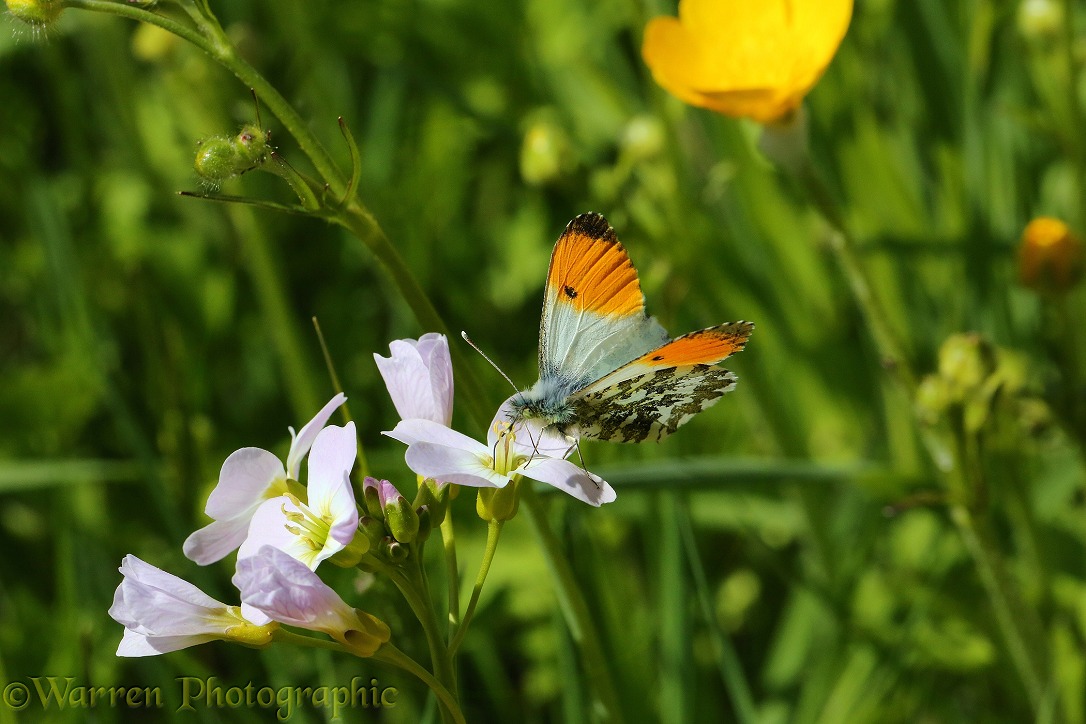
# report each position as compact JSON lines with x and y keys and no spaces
{"x":657,"y":358}
{"x":570,"y":292}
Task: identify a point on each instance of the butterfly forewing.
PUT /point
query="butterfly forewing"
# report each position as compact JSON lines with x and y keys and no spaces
{"x":593,"y":310}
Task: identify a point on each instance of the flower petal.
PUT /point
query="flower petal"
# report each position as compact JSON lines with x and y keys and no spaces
{"x":330,"y":464}
{"x":453,"y":465}
{"x":244,"y":479}
{"x":418,"y":375}
{"x":570,"y":478}
{"x":137,"y":644}
{"x":410,"y":432}
{"x":300,"y":443}
{"x":216,"y":540}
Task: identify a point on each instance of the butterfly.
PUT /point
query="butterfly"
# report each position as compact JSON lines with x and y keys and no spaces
{"x":608,"y":371}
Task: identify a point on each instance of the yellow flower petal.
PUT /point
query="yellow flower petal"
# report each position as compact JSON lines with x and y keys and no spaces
{"x":745,"y":59}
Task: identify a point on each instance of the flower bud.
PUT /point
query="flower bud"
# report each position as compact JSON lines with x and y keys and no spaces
{"x":435,"y":498}
{"x":498,"y":504}
{"x":932,"y":399}
{"x":371,"y":497}
{"x":965,"y":362}
{"x":38,"y":13}
{"x":1050,"y":257}
{"x":373,"y":529}
{"x":392,"y":549}
{"x":400,"y":518}
{"x":252,"y":145}
{"x":216,"y":159}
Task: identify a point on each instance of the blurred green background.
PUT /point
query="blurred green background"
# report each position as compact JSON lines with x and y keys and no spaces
{"x":796,"y":541}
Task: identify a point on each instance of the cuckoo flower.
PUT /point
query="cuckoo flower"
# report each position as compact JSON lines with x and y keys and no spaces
{"x":524,"y":448}
{"x":248,"y":478}
{"x":419,"y":378}
{"x":745,"y":59}
{"x":286,"y":591}
{"x":324,"y":525}
{"x":162,"y":613}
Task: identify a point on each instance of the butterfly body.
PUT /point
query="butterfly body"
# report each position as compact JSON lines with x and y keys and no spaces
{"x":607,"y":370}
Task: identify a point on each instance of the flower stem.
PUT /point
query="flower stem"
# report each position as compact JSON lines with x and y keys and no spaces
{"x":389,"y":654}
{"x":575,"y":610}
{"x":412,"y":588}
{"x":448,"y":540}
{"x":289,"y":637}
{"x":493,"y":531}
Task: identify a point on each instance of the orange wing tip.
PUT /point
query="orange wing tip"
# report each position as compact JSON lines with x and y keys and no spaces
{"x":706,"y":346}
{"x":592,"y":225}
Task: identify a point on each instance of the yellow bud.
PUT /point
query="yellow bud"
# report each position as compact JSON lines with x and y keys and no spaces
{"x":1050,"y":257}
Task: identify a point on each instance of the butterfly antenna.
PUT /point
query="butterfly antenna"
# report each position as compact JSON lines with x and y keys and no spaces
{"x":499,"y":369}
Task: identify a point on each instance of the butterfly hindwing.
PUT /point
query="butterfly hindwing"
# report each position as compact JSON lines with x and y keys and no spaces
{"x":593,"y":317}
{"x":653,"y":395}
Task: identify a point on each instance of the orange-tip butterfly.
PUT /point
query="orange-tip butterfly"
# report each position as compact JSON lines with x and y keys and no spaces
{"x":606,"y":370}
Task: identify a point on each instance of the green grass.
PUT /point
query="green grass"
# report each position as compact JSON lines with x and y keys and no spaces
{"x":793,"y":555}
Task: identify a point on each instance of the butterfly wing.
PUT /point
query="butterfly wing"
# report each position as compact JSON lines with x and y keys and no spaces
{"x":653,"y":395}
{"x":593,"y":317}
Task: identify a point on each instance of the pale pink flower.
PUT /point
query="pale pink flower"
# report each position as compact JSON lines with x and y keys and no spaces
{"x":249,"y":477}
{"x":161,"y":613}
{"x":419,"y":377}
{"x":287,"y":591}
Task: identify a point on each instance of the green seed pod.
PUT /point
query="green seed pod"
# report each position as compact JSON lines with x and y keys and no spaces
{"x":253,"y":146}
{"x":38,"y":13}
{"x":216,"y":159}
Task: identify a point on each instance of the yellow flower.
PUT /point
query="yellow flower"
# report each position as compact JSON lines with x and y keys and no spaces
{"x":743,"y":58}
{"x":1050,"y":257}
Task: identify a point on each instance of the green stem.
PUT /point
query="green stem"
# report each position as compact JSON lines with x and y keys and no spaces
{"x":493,"y":532}
{"x":389,"y":654}
{"x":412,"y":589}
{"x":289,"y":637}
{"x":993,"y":578}
{"x":889,"y":346}
{"x":731,"y":670}
{"x":575,"y":609}
{"x":448,"y":540}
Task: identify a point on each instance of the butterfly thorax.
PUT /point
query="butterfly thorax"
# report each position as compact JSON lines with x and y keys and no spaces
{"x":549,"y":401}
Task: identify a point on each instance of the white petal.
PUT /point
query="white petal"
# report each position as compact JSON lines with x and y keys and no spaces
{"x":329,"y":465}
{"x":300,"y":443}
{"x":136,"y":644}
{"x":155,"y":578}
{"x":243,"y":481}
{"x":217,"y":540}
{"x":410,"y":432}
{"x":408,"y":381}
{"x":570,"y":478}
{"x":453,"y":465}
